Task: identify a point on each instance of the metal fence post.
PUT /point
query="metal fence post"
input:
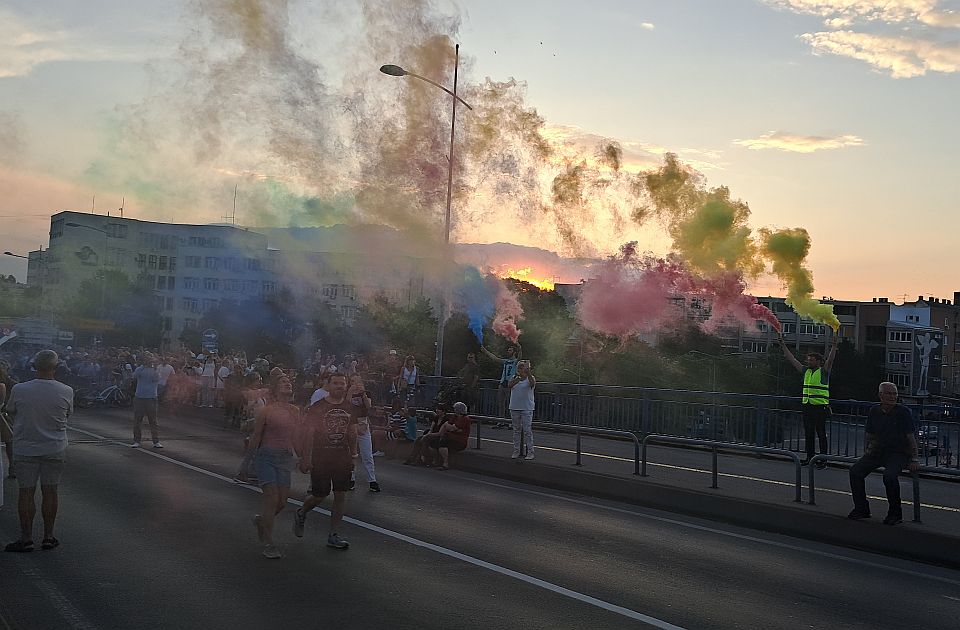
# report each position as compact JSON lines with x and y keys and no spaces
{"x":916,"y":497}
{"x":811,"y":500}
{"x":714,"y":468}
{"x":636,"y":456}
{"x":643,"y":465}
{"x":479,"y":423}
{"x":578,"y":449}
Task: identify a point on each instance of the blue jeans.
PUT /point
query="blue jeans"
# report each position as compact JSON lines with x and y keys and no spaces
{"x":274,"y":465}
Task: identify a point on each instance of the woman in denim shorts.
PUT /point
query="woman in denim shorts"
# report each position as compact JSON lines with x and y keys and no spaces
{"x":275,"y":433}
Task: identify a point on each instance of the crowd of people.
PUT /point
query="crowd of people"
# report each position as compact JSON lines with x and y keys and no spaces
{"x":317,"y":419}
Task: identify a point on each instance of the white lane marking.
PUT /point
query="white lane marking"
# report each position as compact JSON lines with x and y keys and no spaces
{"x":932,"y":506}
{"x":549,"y":586}
{"x":60,"y":602}
{"x":713,"y":530}
{"x":956,"y":599}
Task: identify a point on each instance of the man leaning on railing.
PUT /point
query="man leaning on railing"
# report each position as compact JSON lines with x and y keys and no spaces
{"x":892,"y":445}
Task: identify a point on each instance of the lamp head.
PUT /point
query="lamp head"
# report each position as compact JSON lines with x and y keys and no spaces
{"x":392,"y":70}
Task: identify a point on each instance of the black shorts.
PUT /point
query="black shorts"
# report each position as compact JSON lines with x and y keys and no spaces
{"x":445,"y":442}
{"x":330,"y":472}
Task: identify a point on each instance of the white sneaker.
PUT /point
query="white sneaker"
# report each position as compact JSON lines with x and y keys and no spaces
{"x":516,"y":455}
{"x":529,"y":455}
{"x":157,"y":445}
{"x":379,"y":454}
{"x":270,"y":551}
{"x":135,"y":445}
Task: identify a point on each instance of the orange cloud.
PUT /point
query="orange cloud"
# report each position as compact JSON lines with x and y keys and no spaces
{"x":796,"y":143}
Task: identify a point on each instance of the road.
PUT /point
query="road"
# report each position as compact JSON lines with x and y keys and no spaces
{"x":164,"y":540}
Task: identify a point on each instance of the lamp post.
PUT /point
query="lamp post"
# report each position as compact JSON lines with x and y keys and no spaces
{"x":103,"y":270}
{"x":397,"y":71}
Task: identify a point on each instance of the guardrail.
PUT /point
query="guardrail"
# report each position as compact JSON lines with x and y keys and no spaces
{"x":811,"y":489}
{"x":715,"y":446}
{"x":578,"y":430}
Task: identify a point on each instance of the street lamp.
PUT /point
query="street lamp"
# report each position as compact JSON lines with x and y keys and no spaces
{"x":103,"y":270}
{"x":397,"y":71}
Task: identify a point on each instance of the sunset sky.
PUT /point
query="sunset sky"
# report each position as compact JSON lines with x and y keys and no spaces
{"x":839,"y":116}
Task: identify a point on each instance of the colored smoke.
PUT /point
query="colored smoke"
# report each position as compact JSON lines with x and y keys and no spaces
{"x":788,"y":250}
{"x":488,"y":302}
{"x":508,"y":313}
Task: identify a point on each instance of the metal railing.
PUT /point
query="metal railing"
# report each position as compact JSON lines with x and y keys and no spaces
{"x":578,"y":430}
{"x":750,"y":419}
{"x":715,"y":447}
{"x":915,"y":477}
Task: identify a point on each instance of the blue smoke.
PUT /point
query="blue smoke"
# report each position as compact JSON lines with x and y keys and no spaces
{"x":478,"y":300}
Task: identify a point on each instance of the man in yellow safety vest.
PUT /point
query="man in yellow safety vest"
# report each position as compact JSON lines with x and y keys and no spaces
{"x":816,"y":395}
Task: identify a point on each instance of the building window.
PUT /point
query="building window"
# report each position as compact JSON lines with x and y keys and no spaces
{"x":781,"y":307}
{"x":190,"y":304}
{"x":116,"y":230}
{"x":754,"y":347}
{"x":788,"y":328}
{"x":173,"y":263}
{"x":269,"y":287}
{"x":161,"y":283}
{"x":191,"y":284}
{"x":900,"y":336}
{"x":811,"y":329}
{"x":168,"y":304}
{"x":211,"y":284}
{"x":211,"y":262}
{"x":252,"y":264}
{"x":163,"y":263}
{"x":232,"y":264}
{"x":899,"y":357}
{"x":56,"y":228}
{"x":330,"y":291}
{"x":913,"y":318}
{"x":171,"y":282}
{"x":141,"y":261}
{"x":194,"y":262}
{"x":209,"y":304}
{"x":849,"y":310}
{"x":151,"y":262}
{"x":900,"y":379}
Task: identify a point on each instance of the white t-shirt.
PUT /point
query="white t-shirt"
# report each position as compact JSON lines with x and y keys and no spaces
{"x":222,"y":375}
{"x":209,"y":369}
{"x":40,"y":409}
{"x":521,"y":396}
{"x":165,"y":371}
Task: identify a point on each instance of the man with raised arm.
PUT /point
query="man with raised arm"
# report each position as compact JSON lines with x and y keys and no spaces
{"x":815,"y":404}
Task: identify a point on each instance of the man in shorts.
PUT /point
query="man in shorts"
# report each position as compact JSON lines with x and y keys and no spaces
{"x":40,"y":409}
{"x":330,"y":440}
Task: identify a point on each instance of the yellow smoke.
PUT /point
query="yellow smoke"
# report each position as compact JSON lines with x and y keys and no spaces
{"x":787,"y":249}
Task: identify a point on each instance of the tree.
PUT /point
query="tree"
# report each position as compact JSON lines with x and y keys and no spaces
{"x":126,"y":309}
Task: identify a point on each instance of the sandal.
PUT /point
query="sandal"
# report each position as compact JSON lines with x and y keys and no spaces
{"x":49,"y":543}
{"x":19,"y":546}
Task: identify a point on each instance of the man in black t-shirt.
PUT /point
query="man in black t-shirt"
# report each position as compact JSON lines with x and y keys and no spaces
{"x":892,"y":445}
{"x":327,"y":450}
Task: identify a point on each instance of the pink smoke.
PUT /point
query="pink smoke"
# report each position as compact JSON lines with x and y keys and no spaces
{"x":633,"y":294}
{"x":508,"y":313}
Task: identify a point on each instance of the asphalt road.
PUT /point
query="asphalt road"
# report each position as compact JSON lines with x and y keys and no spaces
{"x":164,"y":540}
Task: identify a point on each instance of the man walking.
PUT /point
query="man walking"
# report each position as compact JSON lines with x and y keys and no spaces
{"x":40,"y":409}
{"x":327,"y":449}
{"x":815,"y":404}
{"x":891,"y":443}
{"x":145,"y":401}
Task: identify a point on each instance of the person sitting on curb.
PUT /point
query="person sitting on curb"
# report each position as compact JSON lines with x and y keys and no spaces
{"x":421,"y":456}
{"x":452,"y":437}
{"x":892,"y":445}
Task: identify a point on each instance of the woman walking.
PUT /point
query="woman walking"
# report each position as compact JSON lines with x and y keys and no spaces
{"x":275,"y":433}
{"x":357,"y":394}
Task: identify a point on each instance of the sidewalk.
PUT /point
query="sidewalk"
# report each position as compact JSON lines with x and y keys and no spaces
{"x":753,"y":491}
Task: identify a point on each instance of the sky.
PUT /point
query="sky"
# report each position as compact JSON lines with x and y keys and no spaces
{"x":838,"y":116}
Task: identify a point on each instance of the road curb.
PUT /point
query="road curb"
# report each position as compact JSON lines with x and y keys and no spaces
{"x":791,"y":519}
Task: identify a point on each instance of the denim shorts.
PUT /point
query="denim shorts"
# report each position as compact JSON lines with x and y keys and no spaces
{"x":274,"y":465}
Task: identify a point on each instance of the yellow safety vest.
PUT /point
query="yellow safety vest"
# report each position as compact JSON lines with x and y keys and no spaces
{"x":815,"y":391}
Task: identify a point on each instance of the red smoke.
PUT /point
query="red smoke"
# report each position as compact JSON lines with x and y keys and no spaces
{"x":507,"y":314}
{"x":633,"y":294}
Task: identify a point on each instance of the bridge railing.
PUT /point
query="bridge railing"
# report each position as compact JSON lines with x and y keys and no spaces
{"x":749,"y":419}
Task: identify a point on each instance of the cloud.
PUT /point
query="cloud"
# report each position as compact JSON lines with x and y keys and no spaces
{"x":901,"y":56}
{"x":649,"y":26}
{"x":25,"y":46}
{"x":795,"y":143}
{"x":844,"y":13}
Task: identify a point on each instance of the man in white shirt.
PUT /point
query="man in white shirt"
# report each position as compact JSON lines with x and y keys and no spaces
{"x":522,"y":404}
{"x":165,"y":371}
{"x":40,"y":409}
